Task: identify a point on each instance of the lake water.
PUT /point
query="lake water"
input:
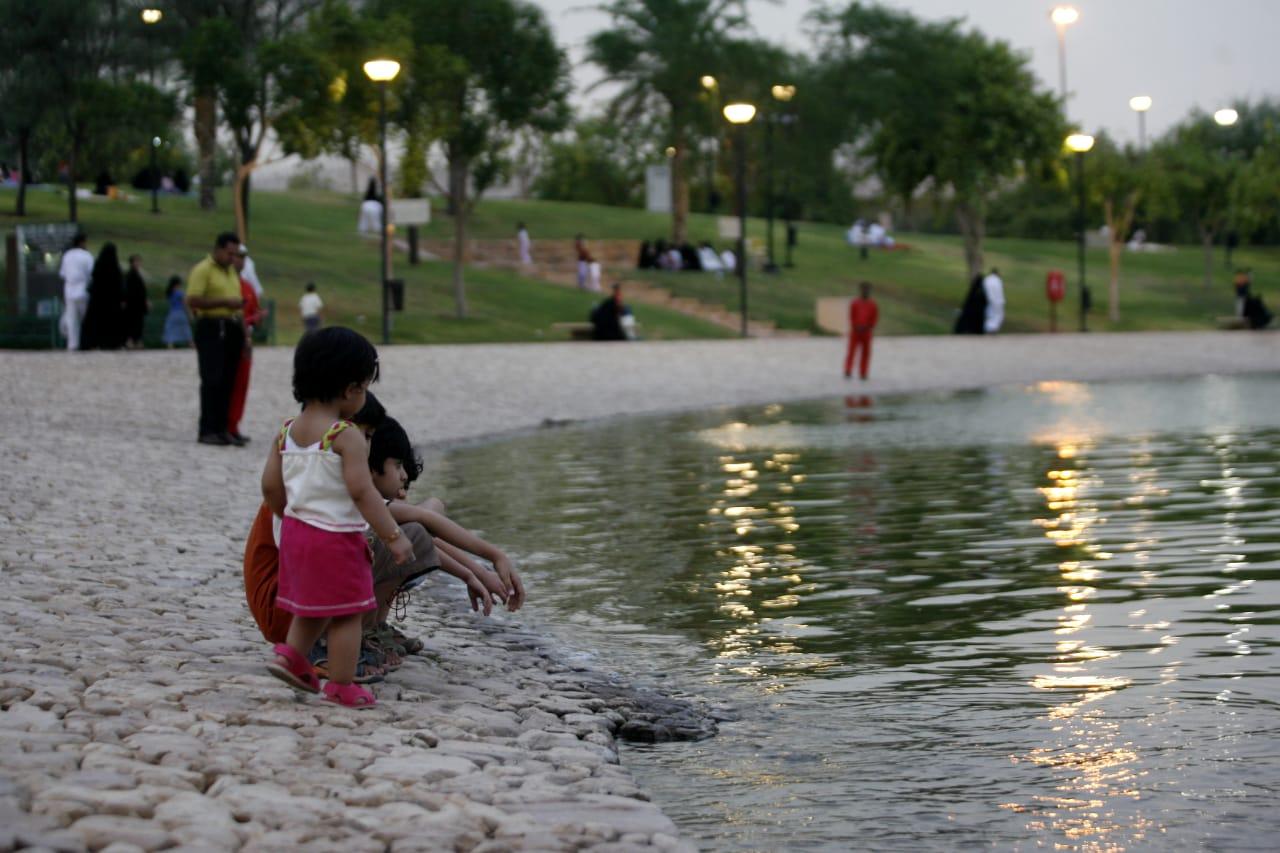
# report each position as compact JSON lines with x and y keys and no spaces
{"x":1030,"y":616}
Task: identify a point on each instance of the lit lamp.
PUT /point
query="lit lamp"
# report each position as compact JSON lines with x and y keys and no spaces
{"x":1140,"y":104}
{"x":740,"y":115}
{"x":1226,"y":117}
{"x":1063,"y":17}
{"x":383,"y":71}
{"x":1080,"y":144}
{"x":151,"y":16}
{"x":708,"y":82}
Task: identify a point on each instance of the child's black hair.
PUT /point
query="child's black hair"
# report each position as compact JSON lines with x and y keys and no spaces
{"x":392,"y":442}
{"x":328,"y":361}
{"x":174,"y":283}
{"x":372,"y":414}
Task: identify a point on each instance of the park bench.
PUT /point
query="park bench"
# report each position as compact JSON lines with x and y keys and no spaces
{"x":575,"y":331}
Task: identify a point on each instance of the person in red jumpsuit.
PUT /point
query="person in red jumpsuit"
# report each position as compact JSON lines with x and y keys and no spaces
{"x":863,"y":315}
{"x":253,"y":315}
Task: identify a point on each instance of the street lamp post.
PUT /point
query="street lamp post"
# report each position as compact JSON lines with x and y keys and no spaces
{"x":740,"y":115}
{"x":782,"y":94}
{"x":712,"y":88}
{"x":1063,"y":17}
{"x":1140,"y":104}
{"x":383,"y":71}
{"x":151,"y":16}
{"x":1081,"y":143}
{"x":155,"y":175}
{"x":1226,"y":117}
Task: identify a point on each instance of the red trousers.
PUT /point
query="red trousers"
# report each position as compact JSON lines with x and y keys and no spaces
{"x":858,"y":340}
{"x":239,"y":392}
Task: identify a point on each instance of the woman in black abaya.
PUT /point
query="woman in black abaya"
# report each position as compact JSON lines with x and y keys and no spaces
{"x":104,"y":320}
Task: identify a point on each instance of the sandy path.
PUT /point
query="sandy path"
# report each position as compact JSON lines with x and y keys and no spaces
{"x":135,"y":709}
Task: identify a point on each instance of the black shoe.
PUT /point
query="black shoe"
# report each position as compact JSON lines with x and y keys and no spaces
{"x":215,"y":438}
{"x":238,"y":439}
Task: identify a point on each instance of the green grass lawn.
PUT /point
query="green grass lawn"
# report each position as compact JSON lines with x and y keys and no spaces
{"x":298,"y":237}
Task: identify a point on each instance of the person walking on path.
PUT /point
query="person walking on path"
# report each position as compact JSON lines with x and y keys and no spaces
{"x":310,"y":306}
{"x":76,"y":270}
{"x":104,"y":320}
{"x":993,"y":287}
{"x":136,"y":304}
{"x":863,"y":315}
{"x":213,"y":294}
{"x":177,"y":325}
{"x":525,"y":245}
{"x":252,"y":317}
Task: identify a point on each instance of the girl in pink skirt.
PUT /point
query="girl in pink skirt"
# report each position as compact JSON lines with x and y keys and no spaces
{"x":317,"y":480}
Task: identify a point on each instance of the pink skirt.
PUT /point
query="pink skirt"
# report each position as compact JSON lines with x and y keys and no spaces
{"x":323,"y":573}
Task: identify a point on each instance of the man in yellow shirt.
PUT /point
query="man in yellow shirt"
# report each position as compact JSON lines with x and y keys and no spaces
{"x":213,"y":295}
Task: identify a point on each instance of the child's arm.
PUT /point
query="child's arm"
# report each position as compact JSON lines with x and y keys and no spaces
{"x":350,"y":444}
{"x":455,"y":534}
{"x":480,"y":597}
{"x":273,"y":481}
{"x":491,"y":581}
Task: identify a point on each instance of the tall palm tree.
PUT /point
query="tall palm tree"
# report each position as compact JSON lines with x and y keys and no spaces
{"x":657,"y":51}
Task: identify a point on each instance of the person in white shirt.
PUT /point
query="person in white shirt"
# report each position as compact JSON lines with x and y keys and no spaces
{"x":76,"y":270}
{"x":525,"y":244}
{"x":250,"y":273}
{"x":311,"y":305}
{"x":993,"y":287}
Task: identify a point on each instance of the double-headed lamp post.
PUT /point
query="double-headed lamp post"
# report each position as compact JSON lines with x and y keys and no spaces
{"x":1063,"y":17}
{"x":740,"y":115}
{"x":383,"y":71}
{"x":1081,"y":144}
{"x":782,"y":93}
{"x":1140,"y":104}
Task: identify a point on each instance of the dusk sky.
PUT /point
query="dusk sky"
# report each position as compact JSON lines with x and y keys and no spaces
{"x":1183,"y":53}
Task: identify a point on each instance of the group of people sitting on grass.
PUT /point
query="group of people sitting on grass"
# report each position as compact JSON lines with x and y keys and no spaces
{"x":661,"y":255}
{"x":336,"y":543}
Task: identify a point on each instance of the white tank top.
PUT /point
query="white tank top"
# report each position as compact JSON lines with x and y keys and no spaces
{"x":314,"y":486}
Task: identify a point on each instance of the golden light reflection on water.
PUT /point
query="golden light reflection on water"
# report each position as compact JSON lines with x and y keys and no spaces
{"x":1093,"y":768}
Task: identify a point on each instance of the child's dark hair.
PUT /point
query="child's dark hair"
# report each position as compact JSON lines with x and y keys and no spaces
{"x":328,"y":361}
{"x":392,"y":442}
{"x":372,"y":414}
{"x":174,"y":283}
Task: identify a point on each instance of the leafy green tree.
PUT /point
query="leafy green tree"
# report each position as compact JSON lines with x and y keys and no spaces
{"x":479,"y":72}
{"x":28,"y":45}
{"x":658,"y":51}
{"x":598,"y":162}
{"x":949,"y":111}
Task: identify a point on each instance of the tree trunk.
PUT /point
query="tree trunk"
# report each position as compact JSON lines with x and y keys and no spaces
{"x":240,"y":198}
{"x":1118,"y":223}
{"x":973,"y":227}
{"x":458,"y":169}
{"x":72,"y":211}
{"x":1206,"y":239}
{"x":1113,"y":288}
{"x":355,"y":177}
{"x":24,"y":144}
{"x":206,"y":131}
{"x":679,"y":194}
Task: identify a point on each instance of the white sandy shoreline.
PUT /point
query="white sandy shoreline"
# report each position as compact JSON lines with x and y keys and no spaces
{"x":136,"y":711}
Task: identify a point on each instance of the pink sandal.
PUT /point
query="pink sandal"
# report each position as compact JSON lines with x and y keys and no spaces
{"x":348,"y":695}
{"x":297,"y":671}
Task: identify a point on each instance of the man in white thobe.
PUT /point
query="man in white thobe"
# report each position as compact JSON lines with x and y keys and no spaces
{"x":75,"y":271}
{"x":993,"y":287}
{"x":525,"y":245}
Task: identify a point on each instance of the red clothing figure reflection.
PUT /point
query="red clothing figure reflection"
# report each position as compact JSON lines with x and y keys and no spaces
{"x":863,"y":315}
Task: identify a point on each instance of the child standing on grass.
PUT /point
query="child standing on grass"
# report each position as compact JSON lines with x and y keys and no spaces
{"x":317,"y":479}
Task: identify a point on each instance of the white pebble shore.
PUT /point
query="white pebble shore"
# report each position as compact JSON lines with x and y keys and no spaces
{"x":136,"y":713}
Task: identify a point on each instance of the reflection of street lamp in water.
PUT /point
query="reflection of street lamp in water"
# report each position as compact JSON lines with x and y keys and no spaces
{"x":383,"y":71}
{"x":1140,"y":104}
{"x":740,"y":115}
{"x":1081,"y":144}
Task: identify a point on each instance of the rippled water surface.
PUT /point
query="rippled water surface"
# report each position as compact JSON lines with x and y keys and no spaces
{"x":1031,"y":616}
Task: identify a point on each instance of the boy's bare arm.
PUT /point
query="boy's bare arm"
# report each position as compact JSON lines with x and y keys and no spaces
{"x":449,"y":532}
{"x":354,"y":450}
{"x":480,"y":597}
{"x":273,"y":482}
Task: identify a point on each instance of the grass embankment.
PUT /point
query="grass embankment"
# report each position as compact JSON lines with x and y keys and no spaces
{"x":309,"y":236}
{"x":301,"y":237}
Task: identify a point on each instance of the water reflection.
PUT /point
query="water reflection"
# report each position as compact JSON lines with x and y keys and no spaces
{"x":1037,"y":615}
